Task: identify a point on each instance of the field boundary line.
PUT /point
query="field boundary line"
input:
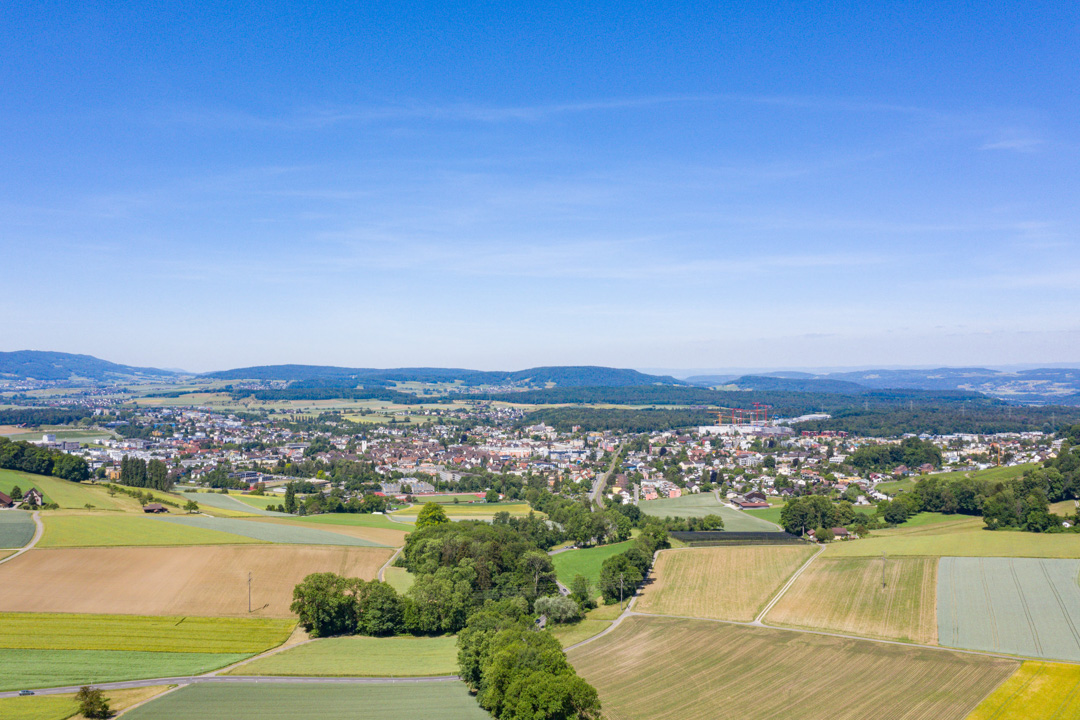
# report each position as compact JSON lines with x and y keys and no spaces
{"x":791,"y":581}
{"x":38,"y":532}
{"x":1060,"y":602}
{"x":1024,"y":604}
{"x":272,"y":651}
{"x":126,"y":710}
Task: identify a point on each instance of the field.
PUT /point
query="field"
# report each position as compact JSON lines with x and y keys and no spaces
{"x":55,"y":631}
{"x":586,"y":561}
{"x":1038,"y":691}
{"x":57,"y":668}
{"x":464,"y":511}
{"x":448,"y":498}
{"x":723,"y":583}
{"x":373,"y":535}
{"x":675,"y":669}
{"x":1017,"y":606}
{"x":769,"y":514}
{"x":229,"y":503}
{"x":292,"y":534}
{"x":362,"y":656}
{"x":399,"y":578}
{"x":114,"y":530}
{"x":845,"y":595}
{"x":16,"y":528}
{"x":65,"y":493}
{"x":926,"y":518}
{"x":703,"y":504}
{"x":371,"y":520}
{"x":249,"y":701}
{"x":60,"y":707}
{"x":595,"y":622}
{"x":962,"y":537}
{"x":205,"y":581}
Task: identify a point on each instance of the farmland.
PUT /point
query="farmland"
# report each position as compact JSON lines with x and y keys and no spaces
{"x":723,"y":583}
{"x":293,"y":534}
{"x":1020,"y":606}
{"x":204,"y":581}
{"x":960,"y":537}
{"x":405,"y":701}
{"x":703,"y":504}
{"x":1038,"y":691}
{"x":361,"y":656}
{"x":229,"y":503}
{"x":676,"y":669}
{"x":56,"y":631}
{"x":56,"y":668}
{"x":60,"y":707}
{"x":465,"y":511}
{"x":65,"y":493}
{"x":585,"y":561}
{"x":115,"y":530}
{"x":371,"y":520}
{"x":399,"y":578}
{"x":846,"y":595}
{"x":16,"y":529}
{"x":373,"y":535}
{"x":595,"y":621}
{"x":450,"y":498}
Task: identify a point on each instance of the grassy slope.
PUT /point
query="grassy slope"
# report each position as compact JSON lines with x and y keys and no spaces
{"x":1038,"y":691}
{"x":54,"y":668}
{"x":961,"y":537}
{"x":586,"y":561}
{"x":673,"y":669}
{"x":447,"y":701}
{"x":702,"y":504}
{"x":59,"y":631}
{"x":16,"y":528}
{"x":399,"y":578}
{"x":60,"y":707}
{"x":65,"y":493}
{"x":128,"y":530}
{"x":594,"y":623}
{"x":362,"y":656}
{"x":231,"y":504}
{"x":269,"y":532}
{"x":723,"y":583}
{"x":769,"y":514}
{"x":845,"y":595}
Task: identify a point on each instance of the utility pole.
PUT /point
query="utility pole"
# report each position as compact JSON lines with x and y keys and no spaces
{"x":883,"y":560}
{"x":249,"y":593}
{"x":622,"y":578}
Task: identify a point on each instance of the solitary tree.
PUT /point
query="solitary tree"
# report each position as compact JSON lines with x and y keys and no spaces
{"x":191,"y":506}
{"x":92,"y":703}
{"x":431,"y":514}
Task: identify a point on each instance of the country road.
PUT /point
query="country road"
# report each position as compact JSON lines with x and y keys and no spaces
{"x":601,"y":480}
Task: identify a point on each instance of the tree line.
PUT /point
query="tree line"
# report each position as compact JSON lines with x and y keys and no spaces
{"x":136,"y":472}
{"x":27,"y":457}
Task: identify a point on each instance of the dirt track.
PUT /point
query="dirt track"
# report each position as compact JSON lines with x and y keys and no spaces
{"x":208,"y":580}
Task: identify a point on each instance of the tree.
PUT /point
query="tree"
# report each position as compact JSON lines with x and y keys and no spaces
{"x":191,"y":506}
{"x":581,"y":592}
{"x":824,"y":534}
{"x":431,"y":514}
{"x":325,"y":604}
{"x":491,"y":496}
{"x":92,"y":703}
{"x":712,"y":522}
{"x":619,"y":578}
{"x":16,"y":493}
{"x":290,"y":498}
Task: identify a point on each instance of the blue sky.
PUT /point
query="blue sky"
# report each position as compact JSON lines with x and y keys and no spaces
{"x":491,"y":186}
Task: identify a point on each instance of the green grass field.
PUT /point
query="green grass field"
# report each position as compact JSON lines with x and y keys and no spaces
{"x":371,"y":520}
{"x":769,"y":514}
{"x":399,"y":578}
{"x":16,"y":528}
{"x":249,"y":701}
{"x":448,"y":498}
{"x":894,"y":487}
{"x":363,"y":657}
{"x":61,"y":707}
{"x":595,"y":622}
{"x":128,"y":530}
{"x":702,"y":504}
{"x":60,"y":631}
{"x":926,"y":518}
{"x":1038,"y":691}
{"x":673,"y":669}
{"x":65,"y":493}
{"x":465,"y":511}
{"x":231,"y":503}
{"x":56,"y":668}
{"x":268,"y":532}
{"x":961,"y":536}
{"x":586,"y":561}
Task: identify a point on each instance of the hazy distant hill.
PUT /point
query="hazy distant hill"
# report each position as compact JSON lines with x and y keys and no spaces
{"x":311,"y":376}
{"x":58,"y":366}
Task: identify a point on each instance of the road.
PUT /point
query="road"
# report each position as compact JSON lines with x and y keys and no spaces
{"x":601,"y":481}
{"x":33,"y":541}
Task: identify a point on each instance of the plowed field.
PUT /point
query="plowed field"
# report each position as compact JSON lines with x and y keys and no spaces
{"x":673,"y":669}
{"x":846,"y":595}
{"x":725,"y":583}
{"x":210,"y":580}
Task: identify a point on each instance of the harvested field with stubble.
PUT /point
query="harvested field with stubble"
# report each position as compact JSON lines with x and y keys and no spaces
{"x":845,"y":595}
{"x":676,"y":669}
{"x":205,"y":581}
{"x":962,"y":537}
{"x":1038,"y":691}
{"x":722,"y":583}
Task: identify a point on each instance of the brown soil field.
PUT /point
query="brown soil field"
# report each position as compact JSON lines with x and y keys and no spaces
{"x":204,"y":580}
{"x":723,"y":583}
{"x":653,"y":668}
{"x":382,"y":536}
{"x":845,"y":594}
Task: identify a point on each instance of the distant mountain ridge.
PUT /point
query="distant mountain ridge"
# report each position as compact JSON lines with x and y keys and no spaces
{"x":1039,"y":386}
{"x":57,"y":366}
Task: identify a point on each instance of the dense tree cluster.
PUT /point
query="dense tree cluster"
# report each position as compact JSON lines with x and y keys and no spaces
{"x":911,"y":452}
{"x":42,"y":416}
{"x":24,"y":456}
{"x":811,"y":512}
{"x":135,"y":472}
{"x":621,"y":574}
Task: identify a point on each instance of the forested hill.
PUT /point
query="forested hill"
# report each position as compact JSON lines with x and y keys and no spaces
{"x":315,"y":376}
{"x":59,"y":367}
